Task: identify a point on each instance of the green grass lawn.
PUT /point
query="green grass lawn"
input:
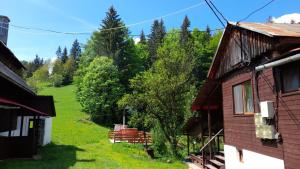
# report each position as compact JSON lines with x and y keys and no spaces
{"x":81,"y":144}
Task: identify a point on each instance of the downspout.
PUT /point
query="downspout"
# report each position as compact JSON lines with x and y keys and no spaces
{"x":271,"y":65}
{"x":278,"y":62}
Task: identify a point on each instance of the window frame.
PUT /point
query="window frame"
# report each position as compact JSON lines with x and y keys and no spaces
{"x":281,"y":74}
{"x":243,"y":97}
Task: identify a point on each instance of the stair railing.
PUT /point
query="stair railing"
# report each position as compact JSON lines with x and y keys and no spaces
{"x":201,"y":150}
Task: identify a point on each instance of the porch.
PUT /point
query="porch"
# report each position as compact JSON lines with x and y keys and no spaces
{"x":205,"y":129}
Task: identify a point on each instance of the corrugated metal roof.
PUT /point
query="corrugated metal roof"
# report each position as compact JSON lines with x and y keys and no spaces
{"x":272,"y":29}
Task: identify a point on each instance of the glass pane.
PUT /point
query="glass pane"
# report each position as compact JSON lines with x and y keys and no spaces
{"x":248,"y":97}
{"x":238,"y":99}
{"x":290,"y":78}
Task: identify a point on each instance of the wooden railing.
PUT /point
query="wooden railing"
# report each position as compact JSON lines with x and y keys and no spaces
{"x":207,"y":144}
{"x":130,"y":136}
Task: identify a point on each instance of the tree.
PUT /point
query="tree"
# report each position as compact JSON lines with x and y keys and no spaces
{"x":99,"y":91}
{"x":112,"y":39}
{"x":64,"y":56}
{"x":163,"y":92}
{"x":142,"y":38}
{"x":204,"y":46}
{"x":69,"y":69}
{"x":75,"y":51}
{"x":37,"y":62}
{"x":156,"y":38}
{"x":185,"y":33}
{"x":58,"y":52}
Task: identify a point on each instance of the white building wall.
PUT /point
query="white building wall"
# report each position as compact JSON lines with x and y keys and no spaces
{"x":47,"y":131}
{"x":251,"y":160}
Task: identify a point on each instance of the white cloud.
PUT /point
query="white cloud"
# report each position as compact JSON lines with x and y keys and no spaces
{"x":287,"y":18}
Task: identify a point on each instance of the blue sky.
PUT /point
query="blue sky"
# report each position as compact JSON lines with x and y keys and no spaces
{"x":86,"y":15}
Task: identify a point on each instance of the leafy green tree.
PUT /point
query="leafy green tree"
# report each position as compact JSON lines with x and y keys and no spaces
{"x":204,"y":46}
{"x":69,"y":69}
{"x":99,"y":91}
{"x":75,"y":51}
{"x":39,"y":77}
{"x":56,"y":80}
{"x":64,"y":56}
{"x":158,"y":32}
{"x":32,"y":66}
{"x":163,"y":92}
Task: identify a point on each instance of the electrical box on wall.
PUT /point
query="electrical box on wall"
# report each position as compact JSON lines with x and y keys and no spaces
{"x":262,"y":129}
{"x":267,"y":109}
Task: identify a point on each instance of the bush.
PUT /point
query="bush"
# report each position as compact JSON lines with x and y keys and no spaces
{"x":99,"y":89}
{"x":57,"y":80}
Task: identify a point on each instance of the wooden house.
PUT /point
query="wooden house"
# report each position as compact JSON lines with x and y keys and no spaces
{"x":25,"y":121}
{"x":254,"y":80}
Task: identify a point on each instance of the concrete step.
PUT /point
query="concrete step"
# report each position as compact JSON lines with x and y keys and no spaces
{"x":221,"y":153}
{"x":209,"y":166}
{"x":220,"y":158}
{"x":216,"y":163}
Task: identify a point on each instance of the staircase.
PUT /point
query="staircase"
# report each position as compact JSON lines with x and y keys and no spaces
{"x":217,"y":162}
{"x":204,"y":161}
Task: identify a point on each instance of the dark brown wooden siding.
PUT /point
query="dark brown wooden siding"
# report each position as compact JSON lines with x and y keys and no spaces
{"x":240,"y":130}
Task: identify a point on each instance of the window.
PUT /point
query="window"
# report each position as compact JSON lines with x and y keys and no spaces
{"x":243,"y":98}
{"x":290,"y":77}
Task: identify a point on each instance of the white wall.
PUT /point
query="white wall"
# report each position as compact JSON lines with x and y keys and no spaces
{"x":47,"y":131}
{"x":251,"y":160}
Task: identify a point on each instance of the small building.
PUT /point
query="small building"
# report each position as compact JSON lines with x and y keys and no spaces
{"x":25,"y":117}
{"x":256,"y":75}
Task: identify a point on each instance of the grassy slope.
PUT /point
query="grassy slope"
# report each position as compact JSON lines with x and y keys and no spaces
{"x":80,"y":144}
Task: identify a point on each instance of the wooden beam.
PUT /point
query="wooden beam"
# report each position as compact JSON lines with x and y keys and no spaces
{"x":188,"y":144}
{"x":21,"y":128}
{"x":209,"y":132}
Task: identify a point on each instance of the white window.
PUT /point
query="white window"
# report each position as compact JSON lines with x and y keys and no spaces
{"x":243,"y":98}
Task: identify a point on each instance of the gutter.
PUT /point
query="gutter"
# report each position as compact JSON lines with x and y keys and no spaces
{"x":278,"y":62}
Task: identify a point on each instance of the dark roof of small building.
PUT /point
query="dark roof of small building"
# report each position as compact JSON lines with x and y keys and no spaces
{"x":9,"y":53}
{"x":14,"y":78}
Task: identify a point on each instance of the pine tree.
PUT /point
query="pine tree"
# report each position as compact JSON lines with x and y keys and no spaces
{"x":112,"y":35}
{"x":156,"y":37}
{"x":142,"y":38}
{"x":75,"y":51}
{"x":185,"y":33}
{"x":64,"y":56}
{"x":207,"y":34}
{"x":37,"y":62}
{"x":58,"y":52}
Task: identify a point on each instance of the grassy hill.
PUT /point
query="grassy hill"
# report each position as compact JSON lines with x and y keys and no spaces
{"x":81,"y":144}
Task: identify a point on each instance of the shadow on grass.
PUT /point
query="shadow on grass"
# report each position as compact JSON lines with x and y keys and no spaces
{"x":53,"y":157}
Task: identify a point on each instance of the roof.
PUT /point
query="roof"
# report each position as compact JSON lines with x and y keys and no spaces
{"x":10,"y":54}
{"x":11,"y":102}
{"x":268,"y":29}
{"x":272,"y":29}
{"x":209,"y":97}
{"x":14,"y":78}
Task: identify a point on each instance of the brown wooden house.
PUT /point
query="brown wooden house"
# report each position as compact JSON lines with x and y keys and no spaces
{"x":22,"y":112}
{"x":256,"y":76}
